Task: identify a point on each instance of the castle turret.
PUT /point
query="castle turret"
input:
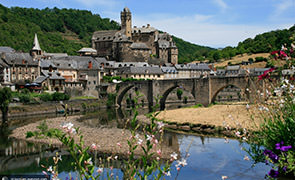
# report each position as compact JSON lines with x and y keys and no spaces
{"x":126,"y":23}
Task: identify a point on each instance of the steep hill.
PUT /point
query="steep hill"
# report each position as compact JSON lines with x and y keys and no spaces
{"x":62,"y":30}
{"x":262,"y":43}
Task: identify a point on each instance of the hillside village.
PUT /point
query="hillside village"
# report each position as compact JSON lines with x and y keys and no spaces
{"x":130,"y":53}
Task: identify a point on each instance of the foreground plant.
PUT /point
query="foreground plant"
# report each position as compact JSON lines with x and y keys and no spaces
{"x":147,"y":139}
{"x":274,"y":141}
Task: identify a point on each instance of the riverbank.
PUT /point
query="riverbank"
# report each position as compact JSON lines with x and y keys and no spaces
{"x":217,"y":119}
{"x":106,"y":138}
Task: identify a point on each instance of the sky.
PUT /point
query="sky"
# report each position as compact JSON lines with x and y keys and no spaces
{"x":213,"y":23}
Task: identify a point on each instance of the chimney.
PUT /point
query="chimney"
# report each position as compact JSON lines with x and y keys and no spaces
{"x":143,"y":26}
{"x":90,"y":65}
{"x":135,"y":27}
{"x":23,"y":61}
{"x":148,"y":25}
{"x":3,"y":55}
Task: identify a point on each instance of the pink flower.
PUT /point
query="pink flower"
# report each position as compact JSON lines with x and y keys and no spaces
{"x":119,"y":144}
{"x":94,"y":146}
{"x":265,"y":74}
{"x":159,"y":152}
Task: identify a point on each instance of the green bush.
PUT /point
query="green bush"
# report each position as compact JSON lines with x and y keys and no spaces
{"x":45,"y":97}
{"x":60,"y":96}
{"x":25,"y":98}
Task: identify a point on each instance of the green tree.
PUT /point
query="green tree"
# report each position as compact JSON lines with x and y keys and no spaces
{"x":5,"y":98}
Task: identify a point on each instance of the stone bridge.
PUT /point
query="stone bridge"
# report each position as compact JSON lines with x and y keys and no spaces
{"x":204,"y":90}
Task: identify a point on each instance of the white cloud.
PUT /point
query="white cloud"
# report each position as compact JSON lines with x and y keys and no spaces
{"x":221,"y":4}
{"x":202,"y":18}
{"x":206,"y":33}
{"x":283,"y":6}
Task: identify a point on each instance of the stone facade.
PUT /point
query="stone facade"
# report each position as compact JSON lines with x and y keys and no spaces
{"x":137,"y":44}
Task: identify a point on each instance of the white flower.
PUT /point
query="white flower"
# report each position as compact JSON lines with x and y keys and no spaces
{"x":50,"y":169}
{"x":116,"y":157}
{"x":174,"y":156}
{"x":168,"y":173}
{"x":246,"y":158}
{"x":100,"y":170}
{"x":247,"y":106}
{"x":149,"y":138}
{"x":160,"y":125}
{"x":181,"y":163}
{"x":89,"y":161}
{"x":139,"y":142}
{"x":67,"y":125}
{"x":224,"y":177}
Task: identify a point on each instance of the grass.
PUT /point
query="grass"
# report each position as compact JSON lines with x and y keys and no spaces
{"x":83,"y":97}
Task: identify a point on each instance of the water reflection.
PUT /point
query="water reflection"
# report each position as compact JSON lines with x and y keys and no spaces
{"x":210,"y":158}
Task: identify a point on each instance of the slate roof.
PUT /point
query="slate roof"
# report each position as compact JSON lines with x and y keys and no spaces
{"x":17,"y":59}
{"x":90,"y":50}
{"x":127,"y":64}
{"x":46,"y":64}
{"x":163,"y":44}
{"x":139,"y":46}
{"x":169,"y":69}
{"x":140,"y":70}
{"x":53,"y":55}
{"x":52,"y":75}
{"x":6,"y":49}
{"x":40,"y":79}
{"x":232,"y":68}
{"x":197,"y":67}
{"x":36,"y":45}
{"x":108,"y":35}
{"x":75,"y":62}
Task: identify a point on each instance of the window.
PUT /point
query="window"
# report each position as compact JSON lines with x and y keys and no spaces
{"x":94,"y":82}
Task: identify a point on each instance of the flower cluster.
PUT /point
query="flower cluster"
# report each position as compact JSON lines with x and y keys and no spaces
{"x":69,"y":128}
{"x":279,"y":160}
{"x":266,"y":74}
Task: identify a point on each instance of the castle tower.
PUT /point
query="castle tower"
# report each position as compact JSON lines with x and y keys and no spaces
{"x":36,"y":50}
{"x":126,"y":23}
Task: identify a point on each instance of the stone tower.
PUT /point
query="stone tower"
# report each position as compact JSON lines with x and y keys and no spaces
{"x":36,"y":50}
{"x":126,"y":23}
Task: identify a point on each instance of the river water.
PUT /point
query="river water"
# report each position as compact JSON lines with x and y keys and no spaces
{"x":207,"y":157}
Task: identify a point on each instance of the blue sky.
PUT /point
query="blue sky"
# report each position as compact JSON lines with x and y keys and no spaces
{"x":214,"y":23}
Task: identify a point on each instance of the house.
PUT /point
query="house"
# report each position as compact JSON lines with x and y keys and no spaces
{"x":80,"y":70}
{"x":169,"y":72}
{"x":21,"y":67}
{"x":51,"y":81}
{"x":141,"y":72}
{"x":258,"y":71}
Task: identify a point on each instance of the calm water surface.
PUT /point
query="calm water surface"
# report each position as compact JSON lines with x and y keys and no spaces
{"x":209,"y":158}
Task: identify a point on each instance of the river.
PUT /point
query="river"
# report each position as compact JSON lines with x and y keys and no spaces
{"x":207,"y":157}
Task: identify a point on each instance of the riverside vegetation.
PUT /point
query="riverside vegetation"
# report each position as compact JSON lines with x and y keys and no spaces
{"x":149,"y":165}
{"x":274,"y":141}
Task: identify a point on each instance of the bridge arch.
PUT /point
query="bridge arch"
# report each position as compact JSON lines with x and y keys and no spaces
{"x":125,"y":90}
{"x":242,"y":91}
{"x":169,"y":90}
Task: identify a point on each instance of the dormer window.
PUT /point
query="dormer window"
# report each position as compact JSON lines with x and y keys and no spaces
{"x":69,"y":65}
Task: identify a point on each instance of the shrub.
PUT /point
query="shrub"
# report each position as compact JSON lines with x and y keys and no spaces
{"x":25,"y":98}
{"x":45,"y":97}
{"x":60,"y":96}
{"x":179,"y":93}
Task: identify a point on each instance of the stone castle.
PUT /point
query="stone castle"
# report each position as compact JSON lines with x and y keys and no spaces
{"x":137,"y":44}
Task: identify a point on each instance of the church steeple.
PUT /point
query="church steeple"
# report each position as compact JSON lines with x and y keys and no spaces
{"x":36,"y":50}
{"x":126,"y":23}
